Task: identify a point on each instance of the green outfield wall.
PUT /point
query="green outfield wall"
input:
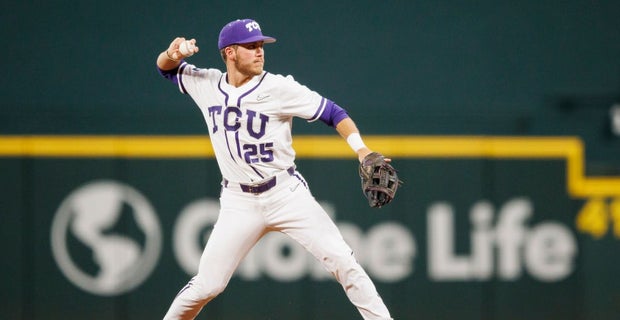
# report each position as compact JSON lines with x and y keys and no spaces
{"x":503,"y":118}
{"x":483,"y":228}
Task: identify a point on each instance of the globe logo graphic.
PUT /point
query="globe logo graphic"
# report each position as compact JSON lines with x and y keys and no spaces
{"x":106,"y":238}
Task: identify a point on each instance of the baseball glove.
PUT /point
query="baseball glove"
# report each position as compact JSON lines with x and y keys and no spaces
{"x":379,"y":180}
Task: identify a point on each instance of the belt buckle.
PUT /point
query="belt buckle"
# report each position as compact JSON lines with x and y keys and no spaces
{"x":260,"y":188}
{"x":254,"y":189}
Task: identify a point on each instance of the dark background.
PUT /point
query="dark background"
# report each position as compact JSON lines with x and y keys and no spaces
{"x":490,"y":68}
{"x":399,"y":67}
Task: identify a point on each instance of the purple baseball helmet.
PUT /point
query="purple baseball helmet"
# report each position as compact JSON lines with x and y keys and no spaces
{"x":241,"y":31}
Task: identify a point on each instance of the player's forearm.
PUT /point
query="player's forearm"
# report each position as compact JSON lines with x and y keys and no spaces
{"x":164,"y":62}
{"x":345,"y":127}
{"x":348,"y":130}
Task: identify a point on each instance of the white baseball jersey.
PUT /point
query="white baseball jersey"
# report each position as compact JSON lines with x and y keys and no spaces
{"x":250,"y":130}
{"x":250,"y":126}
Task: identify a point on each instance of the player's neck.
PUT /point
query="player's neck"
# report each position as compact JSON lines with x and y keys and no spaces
{"x":237,"y":79}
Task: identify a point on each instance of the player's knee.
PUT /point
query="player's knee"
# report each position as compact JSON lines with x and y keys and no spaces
{"x":341,"y":265}
{"x":207,"y":289}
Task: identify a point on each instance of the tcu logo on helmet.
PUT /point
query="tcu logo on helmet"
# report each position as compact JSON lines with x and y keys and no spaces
{"x":252,"y":26}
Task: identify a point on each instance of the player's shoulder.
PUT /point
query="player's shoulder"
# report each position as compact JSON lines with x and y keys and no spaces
{"x":282,"y":81}
{"x":193,"y":70}
{"x":286,"y":85}
{"x":279,"y":77}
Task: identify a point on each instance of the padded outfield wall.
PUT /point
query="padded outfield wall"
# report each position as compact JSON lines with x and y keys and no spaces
{"x":499,"y":116}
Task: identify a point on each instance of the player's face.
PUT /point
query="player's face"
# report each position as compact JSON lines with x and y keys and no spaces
{"x":250,"y":58}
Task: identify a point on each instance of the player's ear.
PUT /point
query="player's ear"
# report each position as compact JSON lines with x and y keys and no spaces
{"x":230,"y":51}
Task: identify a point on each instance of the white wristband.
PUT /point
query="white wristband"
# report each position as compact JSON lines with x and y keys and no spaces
{"x":355,"y":141}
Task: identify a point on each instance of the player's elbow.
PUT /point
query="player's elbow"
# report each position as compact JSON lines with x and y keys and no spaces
{"x":333,"y":114}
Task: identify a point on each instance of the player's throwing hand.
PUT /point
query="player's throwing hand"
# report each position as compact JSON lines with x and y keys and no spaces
{"x":180,"y":49}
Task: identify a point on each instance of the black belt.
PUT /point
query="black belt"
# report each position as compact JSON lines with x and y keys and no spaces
{"x":260,"y":188}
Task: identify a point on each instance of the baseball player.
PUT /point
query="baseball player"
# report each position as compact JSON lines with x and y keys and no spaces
{"x":249,"y":115}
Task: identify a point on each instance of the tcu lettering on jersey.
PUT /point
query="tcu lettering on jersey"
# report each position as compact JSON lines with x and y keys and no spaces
{"x":232,"y":119}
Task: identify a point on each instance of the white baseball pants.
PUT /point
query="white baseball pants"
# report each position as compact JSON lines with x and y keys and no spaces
{"x":288,"y":207}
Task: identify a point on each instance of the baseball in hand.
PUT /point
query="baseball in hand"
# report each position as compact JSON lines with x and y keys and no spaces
{"x":187,"y":48}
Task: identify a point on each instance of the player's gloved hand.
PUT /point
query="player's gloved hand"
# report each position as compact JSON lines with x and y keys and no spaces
{"x":379,"y":179}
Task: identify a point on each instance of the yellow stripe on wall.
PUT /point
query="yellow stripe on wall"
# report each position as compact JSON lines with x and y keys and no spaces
{"x":323,"y":147}
{"x":106,"y":146}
